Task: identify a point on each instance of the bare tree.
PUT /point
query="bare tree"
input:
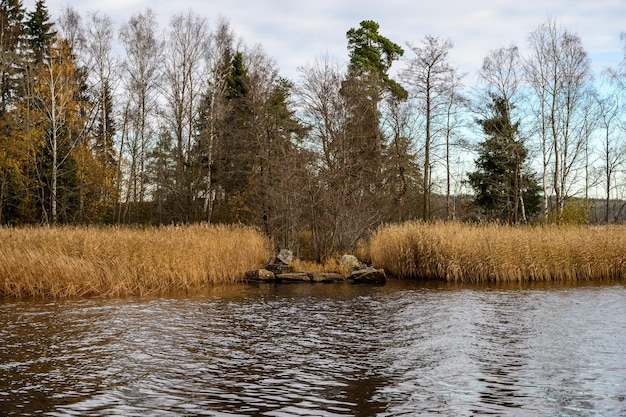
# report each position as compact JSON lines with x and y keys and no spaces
{"x":559,"y":73}
{"x":323,"y":109}
{"x":454,"y":105}
{"x":614,"y":128}
{"x":501,"y":73}
{"x":141,"y":77}
{"x":402,"y":170}
{"x":103,"y":69}
{"x":72,"y":30}
{"x":324,"y":112}
{"x":612,"y":145}
{"x":429,"y":76}
{"x":184,"y":79}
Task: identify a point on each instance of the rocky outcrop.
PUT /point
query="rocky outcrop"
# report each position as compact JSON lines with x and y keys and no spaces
{"x":285,"y":256}
{"x":351,"y":262}
{"x":280,"y":263}
{"x":259,"y":275}
{"x":369,"y":275}
{"x":326,"y":277}
{"x":293,"y":277}
{"x":279,"y":270}
{"x":263,"y":275}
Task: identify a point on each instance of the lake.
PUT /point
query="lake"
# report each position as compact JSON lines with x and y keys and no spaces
{"x":401,"y":349}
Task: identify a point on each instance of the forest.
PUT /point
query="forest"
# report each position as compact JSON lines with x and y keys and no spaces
{"x":139,"y":124}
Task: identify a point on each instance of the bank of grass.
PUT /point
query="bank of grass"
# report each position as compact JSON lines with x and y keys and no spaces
{"x":125,"y":261}
{"x":496,"y":253}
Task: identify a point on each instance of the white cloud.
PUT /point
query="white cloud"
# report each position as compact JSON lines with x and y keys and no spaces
{"x":296,"y":32}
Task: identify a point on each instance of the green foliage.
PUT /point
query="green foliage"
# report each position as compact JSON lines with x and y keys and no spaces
{"x":503,"y":189}
{"x":575,"y":212}
{"x":373,"y":54}
{"x":12,"y":29}
{"x":39,"y":30}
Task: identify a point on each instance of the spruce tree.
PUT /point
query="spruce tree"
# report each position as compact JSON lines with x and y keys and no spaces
{"x":504,"y":188}
{"x":237,"y":148}
{"x":39,"y":31}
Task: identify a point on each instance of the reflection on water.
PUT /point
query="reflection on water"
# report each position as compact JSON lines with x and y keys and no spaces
{"x":324,"y":350}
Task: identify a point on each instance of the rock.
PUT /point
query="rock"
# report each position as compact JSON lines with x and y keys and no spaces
{"x":351,"y":262}
{"x":285,"y":256}
{"x":369,"y":276}
{"x":279,"y":268}
{"x":326,"y":277}
{"x":259,"y":275}
{"x":294,"y":277}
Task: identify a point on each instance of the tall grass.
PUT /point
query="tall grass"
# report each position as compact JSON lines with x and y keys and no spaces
{"x":496,"y":253}
{"x":125,"y":261}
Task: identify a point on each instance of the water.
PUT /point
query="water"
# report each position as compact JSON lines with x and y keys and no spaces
{"x":323,"y":350}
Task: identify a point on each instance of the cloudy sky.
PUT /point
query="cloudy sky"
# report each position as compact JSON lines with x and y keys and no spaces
{"x":295,"y":32}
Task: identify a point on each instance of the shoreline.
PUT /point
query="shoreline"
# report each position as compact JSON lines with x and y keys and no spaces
{"x":65,"y":261}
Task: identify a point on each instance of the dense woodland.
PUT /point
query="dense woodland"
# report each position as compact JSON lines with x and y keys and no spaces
{"x":139,"y":124}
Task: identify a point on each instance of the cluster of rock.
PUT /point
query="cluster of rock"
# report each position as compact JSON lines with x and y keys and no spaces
{"x":279,"y":271}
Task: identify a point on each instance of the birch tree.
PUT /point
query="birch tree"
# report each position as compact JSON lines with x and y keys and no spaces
{"x":558,"y":71}
{"x":57,"y":90}
{"x":140,"y":79}
{"x":429,"y":74}
{"x":103,"y":69}
{"x":184,"y":82}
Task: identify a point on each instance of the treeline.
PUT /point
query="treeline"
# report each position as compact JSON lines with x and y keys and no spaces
{"x":105,"y":125}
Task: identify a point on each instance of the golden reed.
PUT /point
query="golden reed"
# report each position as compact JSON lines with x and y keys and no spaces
{"x":125,"y":261}
{"x":497,"y":253}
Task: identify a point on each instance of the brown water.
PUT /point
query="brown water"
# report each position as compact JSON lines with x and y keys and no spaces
{"x":323,"y":350}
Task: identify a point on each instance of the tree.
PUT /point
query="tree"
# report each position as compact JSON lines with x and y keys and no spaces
{"x":324,"y":112}
{"x":503,"y":188}
{"x":13,"y":144}
{"x":236,"y":147}
{"x":141,"y":77}
{"x":12,"y":30}
{"x":212,"y":109}
{"x":103,"y":70}
{"x":558,"y":71}
{"x":185,"y":83}
{"x":59,"y":100}
{"x":431,"y":79}
{"x":371,"y":57}
{"x":39,"y":29}
{"x":372,"y":54}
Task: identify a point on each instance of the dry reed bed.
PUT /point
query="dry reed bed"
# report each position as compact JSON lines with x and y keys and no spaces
{"x":125,"y":261}
{"x":495,"y":253}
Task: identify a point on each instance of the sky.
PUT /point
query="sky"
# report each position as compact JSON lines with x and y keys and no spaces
{"x":294,"y":32}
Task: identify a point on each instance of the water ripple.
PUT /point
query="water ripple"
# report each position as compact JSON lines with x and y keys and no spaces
{"x":304,"y":350}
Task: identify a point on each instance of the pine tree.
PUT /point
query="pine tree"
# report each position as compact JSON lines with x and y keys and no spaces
{"x":371,"y":57}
